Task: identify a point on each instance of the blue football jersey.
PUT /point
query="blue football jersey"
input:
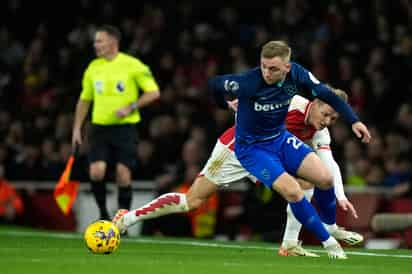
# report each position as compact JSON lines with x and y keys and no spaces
{"x":263,"y":108}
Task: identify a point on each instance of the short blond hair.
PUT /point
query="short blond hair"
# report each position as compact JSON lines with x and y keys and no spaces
{"x":339,"y":92}
{"x":276,"y":49}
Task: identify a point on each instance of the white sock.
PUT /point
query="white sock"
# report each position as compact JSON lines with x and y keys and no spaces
{"x":293,"y":226}
{"x":309,"y":193}
{"x":330,"y":241}
{"x":166,"y":204}
{"x":331,"y":228}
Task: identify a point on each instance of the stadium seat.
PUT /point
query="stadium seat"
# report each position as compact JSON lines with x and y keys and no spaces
{"x":402,"y":205}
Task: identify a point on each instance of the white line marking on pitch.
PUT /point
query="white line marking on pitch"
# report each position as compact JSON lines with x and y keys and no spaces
{"x":191,"y":243}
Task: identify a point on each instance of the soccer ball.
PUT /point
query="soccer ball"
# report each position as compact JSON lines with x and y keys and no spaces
{"x":102,"y":237}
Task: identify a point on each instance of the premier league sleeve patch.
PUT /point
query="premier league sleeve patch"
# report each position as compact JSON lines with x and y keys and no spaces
{"x":231,"y":86}
{"x":120,"y":86}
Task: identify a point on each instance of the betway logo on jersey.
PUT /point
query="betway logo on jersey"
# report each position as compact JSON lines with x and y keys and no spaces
{"x":270,"y":107}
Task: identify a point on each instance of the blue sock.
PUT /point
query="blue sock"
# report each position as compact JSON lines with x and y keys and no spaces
{"x":306,"y":214}
{"x":327,"y":205}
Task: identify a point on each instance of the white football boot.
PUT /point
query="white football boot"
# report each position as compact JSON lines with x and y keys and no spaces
{"x":292,"y":249}
{"x":335,"y":251}
{"x":349,"y":237}
{"x":118,"y":220}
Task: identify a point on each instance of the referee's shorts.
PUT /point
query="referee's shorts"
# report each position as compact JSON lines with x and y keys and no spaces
{"x":114,"y":144}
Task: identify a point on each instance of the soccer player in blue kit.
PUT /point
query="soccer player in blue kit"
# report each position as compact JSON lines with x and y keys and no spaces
{"x":272,"y":154}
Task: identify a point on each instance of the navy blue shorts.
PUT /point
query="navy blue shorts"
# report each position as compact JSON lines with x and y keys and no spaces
{"x":269,"y":159}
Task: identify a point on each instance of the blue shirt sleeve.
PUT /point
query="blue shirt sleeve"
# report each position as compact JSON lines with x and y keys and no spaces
{"x":307,"y":79}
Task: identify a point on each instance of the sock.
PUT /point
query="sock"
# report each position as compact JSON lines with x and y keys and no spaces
{"x":293,"y":227}
{"x":329,"y":242}
{"x":306,"y":214}
{"x":124,"y":197}
{"x":326,"y":201}
{"x":166,"y":204}
{"x":331,"y":228}
{"x":308,"y":193}
{"x":98,"y":189}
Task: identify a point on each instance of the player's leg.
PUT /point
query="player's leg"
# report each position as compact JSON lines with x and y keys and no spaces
{"x":313,"y":170}
{"x":267,"y":161}
{"x":123,"y":140}
{"x":199,"y":192}
{"x":98,"y":157}
{"x":306,"y":214}
{"x":167,"y":203}
{"x":124,"y":183}
{"x":293,"y":227}
{"x":221,"y":168}
{"x":97,"y":171}
{"x":291,"y":246}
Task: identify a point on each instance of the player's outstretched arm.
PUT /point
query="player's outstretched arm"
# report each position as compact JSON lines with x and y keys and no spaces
{"x":215,"y":85}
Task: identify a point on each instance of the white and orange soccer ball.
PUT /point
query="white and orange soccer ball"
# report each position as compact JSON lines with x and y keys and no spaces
{"x":102,"y":237}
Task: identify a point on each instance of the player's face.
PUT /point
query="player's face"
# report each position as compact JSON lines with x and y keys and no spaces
{"x":322,"y":115}
{"x":274,"y":69}
{"x":104,"y":44}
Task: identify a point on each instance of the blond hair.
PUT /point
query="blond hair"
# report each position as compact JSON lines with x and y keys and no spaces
{"x":276,"y":49}
{"x":339,"y":92}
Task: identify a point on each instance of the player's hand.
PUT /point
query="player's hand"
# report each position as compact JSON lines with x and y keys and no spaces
{"x":347,"y":206}
{"x":124,"y":111}
{"x":233,"y":104}
{"x":361,"y":131}
{"x":76,"y":137}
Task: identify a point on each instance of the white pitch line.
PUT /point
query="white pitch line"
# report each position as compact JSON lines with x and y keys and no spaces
{"x":187,"y":243}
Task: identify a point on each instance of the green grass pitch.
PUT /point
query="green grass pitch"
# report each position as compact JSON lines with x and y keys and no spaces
{"x":29,"y":252}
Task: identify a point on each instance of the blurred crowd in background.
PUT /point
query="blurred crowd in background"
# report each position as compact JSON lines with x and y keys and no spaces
{"x":362,"y":47}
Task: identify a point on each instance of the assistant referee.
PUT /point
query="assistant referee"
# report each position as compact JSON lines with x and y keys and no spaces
{"x":112,"y":82}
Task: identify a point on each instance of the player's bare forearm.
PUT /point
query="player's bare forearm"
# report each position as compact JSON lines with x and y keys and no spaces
{"x":147,"y":98}
{"x":82,"y":108}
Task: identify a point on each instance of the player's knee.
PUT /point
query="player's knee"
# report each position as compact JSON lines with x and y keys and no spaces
{"x":123,"y":177}
{"x":293,"y":194}
{"x":97,"y":172}
{"x":325,"y":180}
{"x":96,"y":176}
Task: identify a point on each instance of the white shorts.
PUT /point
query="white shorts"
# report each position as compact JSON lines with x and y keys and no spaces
{"x":223,"y":167}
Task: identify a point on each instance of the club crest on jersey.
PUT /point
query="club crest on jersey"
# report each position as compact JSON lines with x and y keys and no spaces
{"x":98,"y":86}
{"x":290,"y":89}
{"x":215,"y":166}
{"x":120,"y":86}
{"x":265,"y":173}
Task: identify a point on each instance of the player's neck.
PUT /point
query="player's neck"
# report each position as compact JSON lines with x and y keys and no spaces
{"x":111,"y":56}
